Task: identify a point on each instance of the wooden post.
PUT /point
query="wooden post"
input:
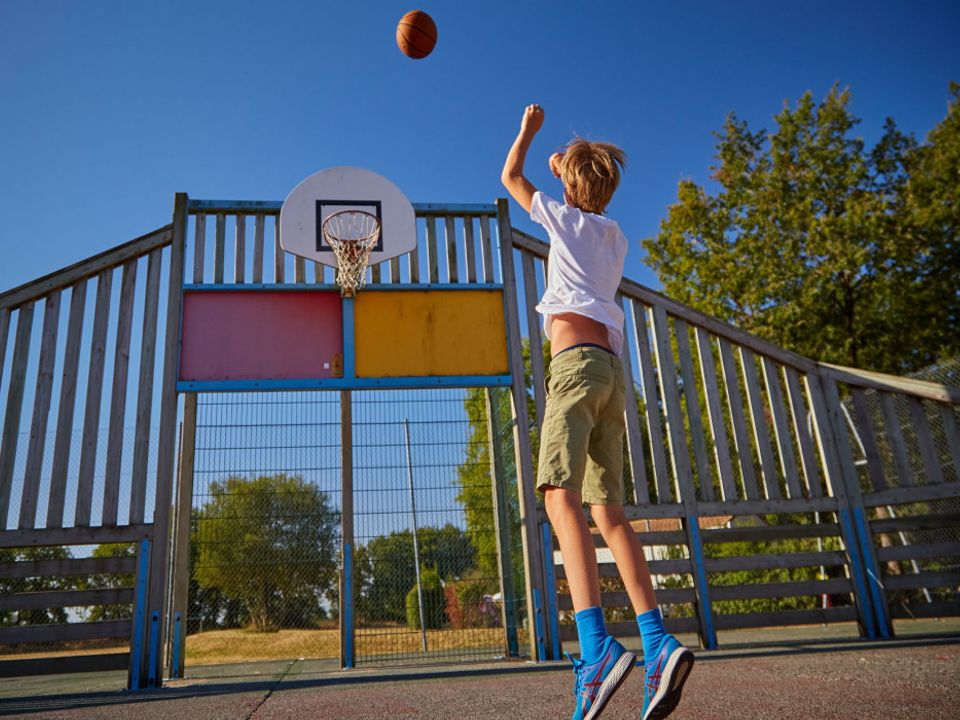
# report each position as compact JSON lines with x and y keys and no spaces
{"x":166,"y":443}
{"x":529,"y":531}
{"x":501,"y":521}
{"x":181,"y":535}
{"x":347,"y":629}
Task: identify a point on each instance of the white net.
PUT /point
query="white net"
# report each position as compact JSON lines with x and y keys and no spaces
{"x":351,"y":234}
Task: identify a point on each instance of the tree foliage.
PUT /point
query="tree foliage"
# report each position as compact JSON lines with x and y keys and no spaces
{"x":385,"y":569}
{"x":272,"y":543}
{"x":8,"y":586}
{"x":816,"y":243}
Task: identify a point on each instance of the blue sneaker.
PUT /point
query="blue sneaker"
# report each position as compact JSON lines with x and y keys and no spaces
{"x":596,"y":683}
{"x":666,"y":674}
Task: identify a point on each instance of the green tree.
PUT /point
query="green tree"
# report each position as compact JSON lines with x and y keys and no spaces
{"x":819,"y":245}
{"x":265,"y":541}
{"x":434,"y":602}
{"x":385,"y":567}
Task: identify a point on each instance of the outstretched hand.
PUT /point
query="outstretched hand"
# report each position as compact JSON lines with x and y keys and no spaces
{"x":532,"y":119}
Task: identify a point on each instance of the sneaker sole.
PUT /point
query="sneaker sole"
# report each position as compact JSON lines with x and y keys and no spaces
{"x":668,"y":694}
{"x":611,"y":684}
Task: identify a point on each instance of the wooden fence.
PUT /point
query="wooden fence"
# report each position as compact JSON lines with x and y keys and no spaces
{"x":731,"y":440}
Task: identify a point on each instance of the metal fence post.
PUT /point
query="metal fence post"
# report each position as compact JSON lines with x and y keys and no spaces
{"x":347,"y":652}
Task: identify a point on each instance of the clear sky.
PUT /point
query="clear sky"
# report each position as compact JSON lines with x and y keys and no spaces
{"x":108,"y":107}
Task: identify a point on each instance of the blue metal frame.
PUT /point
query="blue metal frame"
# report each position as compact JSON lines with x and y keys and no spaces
{"x":139,"y":614}
{"x":873,"y":576}
{"x":344,"y":383}
{"x":154,"y":649}
{"x":274,"y":206}
{"x":349,"y":339}
{"x":858,"y":572}
{"x":348,"y":660}
{"x":177,"y":649}
{"x":551,"y":589}
{"x":703,"y":601}
{"x":539,"y":626}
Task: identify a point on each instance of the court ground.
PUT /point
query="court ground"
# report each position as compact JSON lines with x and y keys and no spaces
{"x":814,"y":673}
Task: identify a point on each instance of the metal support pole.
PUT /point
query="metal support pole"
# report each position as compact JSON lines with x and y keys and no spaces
{"x":346,"y":531}
{"x":416,"y":544}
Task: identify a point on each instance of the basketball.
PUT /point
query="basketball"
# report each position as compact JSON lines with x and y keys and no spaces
{"x":416,"y":34}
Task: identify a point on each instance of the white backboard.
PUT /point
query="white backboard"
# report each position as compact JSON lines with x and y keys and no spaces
{"x":346,"y":188}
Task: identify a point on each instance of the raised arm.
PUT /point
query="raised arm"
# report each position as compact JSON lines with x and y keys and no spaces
{"x":512,"y":177}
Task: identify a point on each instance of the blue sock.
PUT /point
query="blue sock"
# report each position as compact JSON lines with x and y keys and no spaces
{"x":651,"y":632}
{"x":592,"y":633}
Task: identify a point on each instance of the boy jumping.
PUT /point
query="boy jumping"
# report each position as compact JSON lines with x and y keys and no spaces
{"x":581,"y":443}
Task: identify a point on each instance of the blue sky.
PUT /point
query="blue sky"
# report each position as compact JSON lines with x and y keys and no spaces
{"x":107,"y":108}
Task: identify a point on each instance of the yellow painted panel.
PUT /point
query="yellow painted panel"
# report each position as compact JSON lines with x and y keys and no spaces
{"x":411,"y":333}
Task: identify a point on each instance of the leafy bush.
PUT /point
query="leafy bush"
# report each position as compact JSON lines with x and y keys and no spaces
{"x":433,"y":602}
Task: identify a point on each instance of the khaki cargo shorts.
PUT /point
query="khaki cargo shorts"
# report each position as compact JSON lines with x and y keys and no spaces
{"x":581,"y":443}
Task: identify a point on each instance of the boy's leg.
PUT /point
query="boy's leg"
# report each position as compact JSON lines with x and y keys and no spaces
{"x":667,"y":662}
{"x":565,"y":510}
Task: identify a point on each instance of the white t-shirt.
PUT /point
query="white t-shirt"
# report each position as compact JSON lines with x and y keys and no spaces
{"x":584,"y":267}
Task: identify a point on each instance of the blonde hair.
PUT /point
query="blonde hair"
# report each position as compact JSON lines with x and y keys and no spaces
{"x":590,"y":172}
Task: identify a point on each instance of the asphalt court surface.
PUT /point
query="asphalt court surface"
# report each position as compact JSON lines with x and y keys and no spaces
{"x":916,"y":675}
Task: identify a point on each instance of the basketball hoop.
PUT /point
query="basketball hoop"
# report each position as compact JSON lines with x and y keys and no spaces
{"x":351,"y":234}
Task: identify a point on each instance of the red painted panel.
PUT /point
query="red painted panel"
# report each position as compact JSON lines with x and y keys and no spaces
{"x":260,"y":335}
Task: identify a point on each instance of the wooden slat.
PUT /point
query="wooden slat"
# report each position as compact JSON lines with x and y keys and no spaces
{"x":533,"y":333}
{"x":91,"y":416}
{"x":240,"y":249}
{"x":41,"y":411}
{"x":833,"y":586}
{"x":433,"y":265}
{"x":148,"y":351}
{"x":374,"y":273}
{"x":765,"y":507}
{"x":908,"y":552}
{"x":4,"y":333}
{"x":665,"y":596}
{"x":219,"y":258}
{"x":64,"y":567}
{"x":11,"y":421}
{"x":776,"y":562}
{"x":892,"y":383}
{"x":952,"y":436}
{"x":781,"y":427}
{"x":182,"y":513}
{"x":638,"y":464}
{"x":67,"y":406}
{"x":79,"y":535}
{"x":771,"y":533}
{"x":258,"y":248}
{"x":656,"y":567}
{"x":867,"y":437}
{"x":318,"y":273}
{"x":97,"y":662}
{"x":86,"y":268}
{"x":299,"y":270}
{"x":649,"y":512}
{"x":891,"y":425}
{"x":798,"y":415}
{"x":718,"y":429}
{"x":915,"y":494}
{"x":486,"y":251}
{"x":758,"y":423}
{"x":913,"y":523}
{"x":395,"y":270}
{"x":199,"y":246}
{"x":469,"y":249}
{"x":278,"y":254}
{"x":450,"y":236}
{"x":65,"y":599}
{"x":676,"y":437}
{"x":651,"y":405}
{"x":413,"y":265}
{"x":947,"y":579}
{"x":935,"y":609}
{"x":731,"y":381}
{"x":694,"y":418}
{"x":782,"y":618}
{"x":118,"y":399}
{"x":668,"y":537}
{"x":68,"y":632}
{"x":924,"y":433}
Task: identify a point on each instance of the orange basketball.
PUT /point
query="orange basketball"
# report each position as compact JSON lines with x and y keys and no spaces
{"x":416,"y":34}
